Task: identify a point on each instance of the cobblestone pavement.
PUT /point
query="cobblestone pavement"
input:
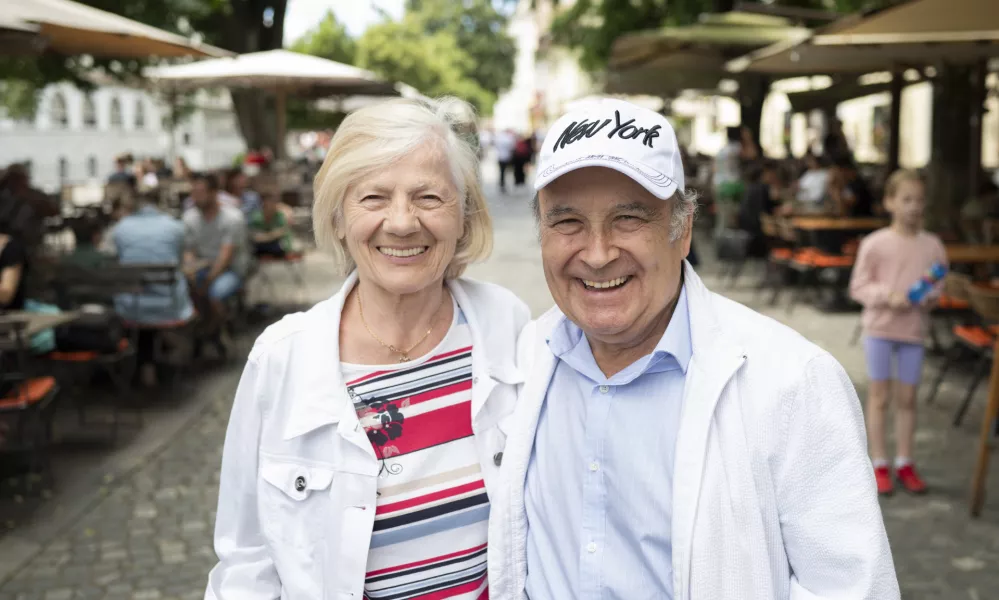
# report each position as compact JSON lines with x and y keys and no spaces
{"x":150,"y":536}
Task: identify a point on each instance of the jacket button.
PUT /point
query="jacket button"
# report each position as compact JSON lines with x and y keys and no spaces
{"x":300,"y":483}
{"x":498,"y":459}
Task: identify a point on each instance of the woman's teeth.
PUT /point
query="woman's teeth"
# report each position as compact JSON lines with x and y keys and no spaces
{"x":604,"y":285}
{"x":403,"y":253}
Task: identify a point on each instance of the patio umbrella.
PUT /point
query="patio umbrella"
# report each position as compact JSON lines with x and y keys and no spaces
{"x":915,"y":33}
{"x":18,"y":37}
{"x":666,"y":61}
{"x":280,"y":71}
{"x":71,"y":28}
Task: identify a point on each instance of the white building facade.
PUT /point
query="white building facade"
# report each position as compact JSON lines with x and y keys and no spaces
{"x":546,"y":77}
{"x":75,"y":135}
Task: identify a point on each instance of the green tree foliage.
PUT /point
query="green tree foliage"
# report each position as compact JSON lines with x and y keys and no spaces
{"x":479,"y":30}
{"x":432,"y":63}
{"x":329,"y":40}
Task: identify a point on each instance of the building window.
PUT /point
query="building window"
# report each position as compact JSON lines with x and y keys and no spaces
{"x":116,"y":120}
{"x":187,"y":139}
{"x":140,"y":115}
{"x":89,"y":113}
{"x":57,"y":111}
{"x":92,"y":167}
{"x":63,"y":168}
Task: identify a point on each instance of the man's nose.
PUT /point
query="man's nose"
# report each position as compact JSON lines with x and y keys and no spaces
{"x":600,"y":251}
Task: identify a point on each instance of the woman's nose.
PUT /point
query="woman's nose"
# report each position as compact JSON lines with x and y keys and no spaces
{"x":401,"y":219}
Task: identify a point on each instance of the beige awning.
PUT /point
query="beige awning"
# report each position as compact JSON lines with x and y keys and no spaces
{"x":724,"y":32}
{"x":913,"y":34}
{"x":72,"y":28}
{"x":666,"y":61}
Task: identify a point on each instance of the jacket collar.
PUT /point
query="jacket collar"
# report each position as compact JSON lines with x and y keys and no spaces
{"x":315,"y":364}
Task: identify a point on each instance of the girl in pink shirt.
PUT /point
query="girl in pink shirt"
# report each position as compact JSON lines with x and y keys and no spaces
{"x":889,"y":262}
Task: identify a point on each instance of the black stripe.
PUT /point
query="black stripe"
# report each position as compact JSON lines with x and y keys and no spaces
{"x":478,"y":574}
{"x":416,"y":368}
{"x":431,"y":512}
{"x":367,"y":398}
{"x":426,"y":567}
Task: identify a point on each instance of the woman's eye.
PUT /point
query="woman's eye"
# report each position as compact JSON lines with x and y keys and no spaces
{"x":430,"y":198}
{"x":370,"y":197}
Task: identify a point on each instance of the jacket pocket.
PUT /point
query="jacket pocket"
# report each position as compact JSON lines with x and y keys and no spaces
{"x":295,"y":500}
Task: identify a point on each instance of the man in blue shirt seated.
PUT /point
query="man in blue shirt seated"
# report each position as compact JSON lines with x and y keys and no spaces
{"x":668,"y":443}
{"x":149,"y":236}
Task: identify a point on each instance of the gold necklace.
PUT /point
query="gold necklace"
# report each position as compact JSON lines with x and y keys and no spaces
{"x":403,"y":354}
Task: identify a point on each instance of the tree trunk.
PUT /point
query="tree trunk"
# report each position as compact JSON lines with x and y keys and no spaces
{"x":752,"y":92}
{"x":955,"y":90}
{"x":245,"y":30}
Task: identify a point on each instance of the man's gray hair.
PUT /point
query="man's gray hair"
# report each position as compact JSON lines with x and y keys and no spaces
{"x":684,"y":207}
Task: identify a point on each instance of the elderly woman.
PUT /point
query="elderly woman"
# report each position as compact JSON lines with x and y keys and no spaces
{"x":366,"y":434}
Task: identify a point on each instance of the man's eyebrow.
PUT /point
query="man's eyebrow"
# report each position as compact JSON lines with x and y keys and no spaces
{"x":558,"y":211}
{"x":638,"y":207}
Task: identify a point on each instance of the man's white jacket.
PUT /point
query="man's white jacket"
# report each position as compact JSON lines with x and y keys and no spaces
{"x":773,"y":492}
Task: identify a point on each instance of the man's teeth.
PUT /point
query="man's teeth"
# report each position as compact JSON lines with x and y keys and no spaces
{"x":403,"y":253}
{"x":603,"y":285}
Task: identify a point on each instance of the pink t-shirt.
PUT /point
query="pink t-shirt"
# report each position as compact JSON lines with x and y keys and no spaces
{"x":890,"y":262}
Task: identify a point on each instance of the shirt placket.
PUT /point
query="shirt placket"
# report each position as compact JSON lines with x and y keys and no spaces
{"x":594,"y":520}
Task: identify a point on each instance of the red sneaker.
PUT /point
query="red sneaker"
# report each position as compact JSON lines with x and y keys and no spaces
{"x":910,"y":480}
{"x":882,"y":475}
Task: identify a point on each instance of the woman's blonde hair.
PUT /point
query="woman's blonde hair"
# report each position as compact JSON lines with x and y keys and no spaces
{"x":378,"y":135}
{"x":896,"y":179}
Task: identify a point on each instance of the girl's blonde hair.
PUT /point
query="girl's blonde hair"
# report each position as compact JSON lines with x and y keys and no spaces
{"x":376,"y":136}
{"x":896,"y":179}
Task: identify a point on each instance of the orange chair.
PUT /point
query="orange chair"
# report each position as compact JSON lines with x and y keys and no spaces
{"x":28,"y":402}
{"x":973,"y":342}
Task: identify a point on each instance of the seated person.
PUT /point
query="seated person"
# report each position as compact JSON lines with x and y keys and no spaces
{"x":764,"y":196}
{"x":216,"y":256}
{"x":269,"y":229}
{"x":848,"y":191}
{"x":238,"y":186}
{"x":89,"y":234}
{"x":813,"y":184}
{"x":224,"y":197}
{"x":149,"y":236}
{"x":13,"y":270}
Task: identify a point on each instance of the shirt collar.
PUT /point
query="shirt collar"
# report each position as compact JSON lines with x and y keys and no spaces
{"x":568,"y":343}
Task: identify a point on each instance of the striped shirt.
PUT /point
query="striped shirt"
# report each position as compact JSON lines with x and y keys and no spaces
{"x":432,"y":512}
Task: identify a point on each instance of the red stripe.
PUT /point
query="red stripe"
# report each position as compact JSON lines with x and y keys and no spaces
{"x":426,"y":562}
{"x":403,"y":403}
{"x":404,"y":504}
{"x":464,"y":588}
{"x":434,"y":428}
{"x":429,"y":363}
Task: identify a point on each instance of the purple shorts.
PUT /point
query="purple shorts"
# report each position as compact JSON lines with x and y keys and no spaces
{"x":906,"y":356}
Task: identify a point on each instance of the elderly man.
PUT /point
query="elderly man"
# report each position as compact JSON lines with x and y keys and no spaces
{"x":669,"y":443}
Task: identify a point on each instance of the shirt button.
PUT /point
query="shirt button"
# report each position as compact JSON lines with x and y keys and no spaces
{"x":604,"y":389}
{"x":591,"y":547}
{"x":594,"y":466}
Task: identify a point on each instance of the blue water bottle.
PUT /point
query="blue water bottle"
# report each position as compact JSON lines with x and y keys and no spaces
{"x":925,"y":284}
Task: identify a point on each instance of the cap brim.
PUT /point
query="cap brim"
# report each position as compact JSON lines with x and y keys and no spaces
{"x":657,"y":183}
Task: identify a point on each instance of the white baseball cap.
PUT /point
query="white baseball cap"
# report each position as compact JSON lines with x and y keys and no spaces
{"x":618,"y":135}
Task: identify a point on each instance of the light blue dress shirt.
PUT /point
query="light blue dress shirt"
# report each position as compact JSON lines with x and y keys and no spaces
{"x":600,"y":480}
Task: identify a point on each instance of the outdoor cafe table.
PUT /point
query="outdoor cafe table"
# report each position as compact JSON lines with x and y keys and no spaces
{"x":35,"y":323}
{"x":969,"y":254}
